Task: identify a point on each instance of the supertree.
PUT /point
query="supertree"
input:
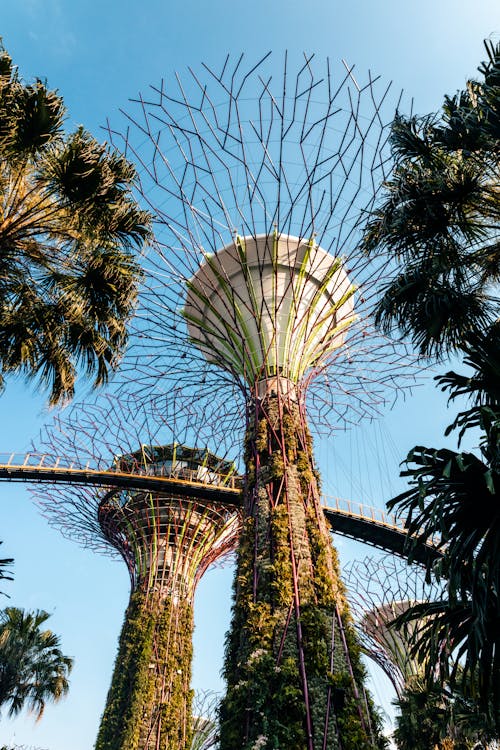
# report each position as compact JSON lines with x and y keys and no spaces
{"x":429,"y":713}
{"x":205,"y":732}
{"x":256,"y":293}
{"x":166,"y":539}
{"x":380,"y":589}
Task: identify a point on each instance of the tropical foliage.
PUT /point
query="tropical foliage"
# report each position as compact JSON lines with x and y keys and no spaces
{"x":68,"y":231}
{"x":5,"y":565}
{"x":33,"y":669}
{"x":440,"y":221}
{"x":432,"y":717}
{"x":440,"y":218}
{"x":149,"y":700}
{"x":456,"y":495}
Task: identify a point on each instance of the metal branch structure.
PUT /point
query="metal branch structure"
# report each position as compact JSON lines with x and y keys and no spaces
{"x":258,"y":161}
{"x":167,"y":541}
{"x":379,"y":590}
{"x":256,"y":307}
{"x":205,"y":731}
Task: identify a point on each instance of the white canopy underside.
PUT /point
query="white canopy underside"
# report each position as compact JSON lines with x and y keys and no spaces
{"x":269,"y":305}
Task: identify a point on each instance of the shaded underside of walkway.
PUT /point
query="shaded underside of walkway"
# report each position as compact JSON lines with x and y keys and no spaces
{"x":379,"y":534}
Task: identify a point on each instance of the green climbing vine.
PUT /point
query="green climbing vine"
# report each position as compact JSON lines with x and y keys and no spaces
{"x":286,"y":667}
{"x":149,"y":701}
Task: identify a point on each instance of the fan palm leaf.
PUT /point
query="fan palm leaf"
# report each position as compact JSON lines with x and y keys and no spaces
{"x":33,"y":669}
{"x":440,"y":219}
{"x":69,"y":231}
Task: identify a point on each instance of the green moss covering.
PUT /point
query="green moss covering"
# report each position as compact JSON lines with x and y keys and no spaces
{"x":149,"y":701}
{"x":289,"y":681}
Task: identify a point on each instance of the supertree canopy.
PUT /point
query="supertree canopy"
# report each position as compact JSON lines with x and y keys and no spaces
{"x":380,"y":590}
{"x":245,"y":167}
{"x":285,"y":307}
{"x":167,"y":541}
{"x":256,"y":306}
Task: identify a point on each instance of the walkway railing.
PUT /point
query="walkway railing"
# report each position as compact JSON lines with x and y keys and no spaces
{"x":44,"y":463}
{"x":365,"y":512}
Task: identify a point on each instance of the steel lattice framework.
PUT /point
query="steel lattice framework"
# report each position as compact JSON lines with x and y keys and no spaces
{"x":96,"y":434}
{"x":379,"y":590}
{"x":166,"y":539}
{"x":256,"y":306}
{"x":253,"y":323}
{"x":226,"y":156}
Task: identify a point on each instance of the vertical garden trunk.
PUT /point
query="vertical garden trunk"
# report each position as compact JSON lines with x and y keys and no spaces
{"x":167,"y":542}
{"x":294,"y":677}
{"x":149,"y":701}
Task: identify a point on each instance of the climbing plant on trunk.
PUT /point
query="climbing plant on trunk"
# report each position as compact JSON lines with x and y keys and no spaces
{"x":293,"y":667}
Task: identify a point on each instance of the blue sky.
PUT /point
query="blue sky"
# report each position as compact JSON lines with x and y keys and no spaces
{"x":98,"y":54}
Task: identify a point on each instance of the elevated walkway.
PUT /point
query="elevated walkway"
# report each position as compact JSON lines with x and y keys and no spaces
{"x":36,"y":467}
{"x":355,"y":520}
{"x":375,"y":527}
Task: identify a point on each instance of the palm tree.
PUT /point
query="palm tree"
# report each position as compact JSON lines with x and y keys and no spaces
{"x":440,"y":221}
{"x":69,"y":227}
{"x":432,"y":717}
{"x":440,"y":218}
{"x":32,"y":667}
{"x":456,"y":497}
{"x":423,"y":719}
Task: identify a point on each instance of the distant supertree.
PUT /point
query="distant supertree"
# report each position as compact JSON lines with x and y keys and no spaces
{"x":205,"y":724}
{"x":379,"y":590}
{"x":257,"y":305}
{"x":167,"y":541}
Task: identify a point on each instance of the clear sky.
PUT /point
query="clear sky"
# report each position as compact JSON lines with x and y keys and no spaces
{"x":98,"y":54}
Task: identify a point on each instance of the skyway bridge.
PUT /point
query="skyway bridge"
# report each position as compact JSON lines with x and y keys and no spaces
{"x":355,"y":520}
